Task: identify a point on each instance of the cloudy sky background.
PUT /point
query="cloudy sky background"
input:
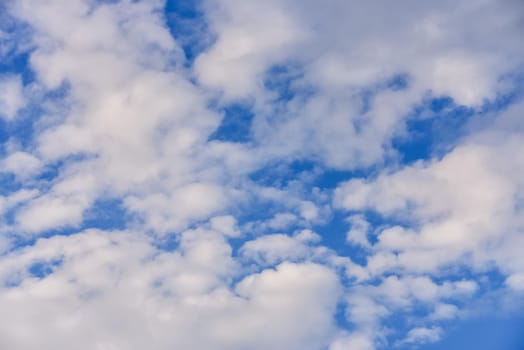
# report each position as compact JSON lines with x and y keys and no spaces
{"x":280,"y":174}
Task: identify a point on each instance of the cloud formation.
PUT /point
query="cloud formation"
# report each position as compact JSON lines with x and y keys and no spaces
{"x":375,"y":194}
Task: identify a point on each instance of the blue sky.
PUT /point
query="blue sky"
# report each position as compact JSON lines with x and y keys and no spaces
{"x":232,"y":174}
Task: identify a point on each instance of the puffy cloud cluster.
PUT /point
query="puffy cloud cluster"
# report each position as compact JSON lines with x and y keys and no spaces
{"x":114,"y":290}
{"x":228,"y":244}
{"x":463,"y":208}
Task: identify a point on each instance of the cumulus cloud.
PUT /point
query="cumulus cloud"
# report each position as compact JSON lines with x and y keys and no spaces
{"x":444,"y":312}
{"x":127,"y":223}
{"x":423,"y":335}
{"x":462,"y":204}
{"x":270,"y":249}
{"x":11,"y":96}
{"x":99,"y":286}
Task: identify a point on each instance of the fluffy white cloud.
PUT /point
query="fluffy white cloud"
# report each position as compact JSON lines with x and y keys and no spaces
{"x":114,"y":289}
{"x":516,"y":282}
{"x":131,"y":115}
{"x":356,"y":341}
{"x":342,"y":51}
{"x":444,"y":312}
{"x":465,"y":203}
{"x":423,"y":335}
{"x":21,"y":164}
{"x":213,"y":256}
{"x":11,"y":96}
{"x":271,"y":249}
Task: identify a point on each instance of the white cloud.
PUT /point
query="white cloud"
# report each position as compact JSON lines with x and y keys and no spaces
{"x":444,"y":312}
{"x":516,"y":282}
{"x":116,"y":286}
{"x":275,"y":248}
{"x":15,"y":198}
{"x":226,"y":225}
{"x":204,"y":264}
{"x":358,"y":231}
{"x":423,"y":335}
{"x":130,"y":113}
{"x":190,"y":202}
{"x":21,"y":163}
{"x":439,"y":53}
{"x":356,"y":341}
{"x":251,"y":37}
{"x":461,"y":204}
{"x":281,"y":221}
{"x":11,"y":96}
